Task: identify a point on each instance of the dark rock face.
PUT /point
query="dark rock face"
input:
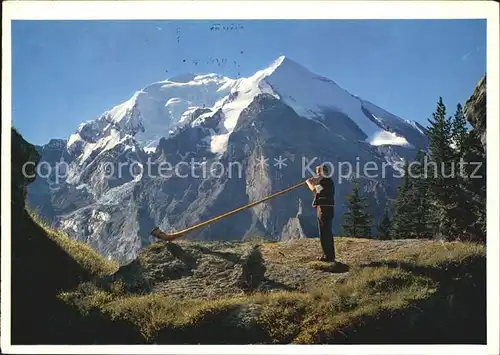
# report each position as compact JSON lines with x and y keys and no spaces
{"x":24,"y":160}
{"x":475,"y":110}
{"x":40,"y":267}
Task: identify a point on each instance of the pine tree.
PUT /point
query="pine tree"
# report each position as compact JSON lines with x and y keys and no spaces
{"x":459,"y":131}
{"x":401,"y":219}
{"x":412,"y":216}
{"x":441,"y":173}
{"x":357,"y":222}
{"x":423,"y":222}
{"x":456,"y":200}
{"x":384,"y":226}
{"x":468,"y":212}
{"x":475,"y":187}
{"x":458,"y":211}
{"x":440,"y":135}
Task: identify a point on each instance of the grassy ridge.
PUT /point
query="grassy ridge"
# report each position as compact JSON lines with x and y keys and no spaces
{"x":402,"y":284}
{"x":90,"y":261}
{"x":403,"y":292}
{"x":44,"y":263}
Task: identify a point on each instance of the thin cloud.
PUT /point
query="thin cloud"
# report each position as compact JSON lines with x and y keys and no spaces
{"x":468,"y":54}
{"x":159,"y":28}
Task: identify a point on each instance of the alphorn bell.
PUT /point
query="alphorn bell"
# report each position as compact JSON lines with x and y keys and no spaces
{"x":156,"y":232}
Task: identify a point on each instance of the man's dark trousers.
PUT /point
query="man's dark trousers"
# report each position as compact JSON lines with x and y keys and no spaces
{"x":325,"y":220}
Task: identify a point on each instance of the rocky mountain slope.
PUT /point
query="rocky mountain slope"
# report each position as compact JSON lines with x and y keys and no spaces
{"x":214,"y":132}
{"x":397,"y":292}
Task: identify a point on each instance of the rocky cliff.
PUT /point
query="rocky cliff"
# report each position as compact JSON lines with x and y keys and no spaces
{"x":25,"y":157}
{"x":475,"y":110}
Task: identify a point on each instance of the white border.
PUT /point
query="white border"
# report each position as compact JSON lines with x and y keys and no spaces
{"x":263,"y":10}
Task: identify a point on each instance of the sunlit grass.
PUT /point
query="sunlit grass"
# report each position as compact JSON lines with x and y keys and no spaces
{"x":84,"y":255}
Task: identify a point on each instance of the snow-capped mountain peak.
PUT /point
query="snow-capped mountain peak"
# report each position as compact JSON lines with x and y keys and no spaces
{"x":156,"y":110}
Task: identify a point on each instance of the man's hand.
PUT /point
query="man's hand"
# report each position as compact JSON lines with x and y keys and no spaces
{"x":311,"y":182}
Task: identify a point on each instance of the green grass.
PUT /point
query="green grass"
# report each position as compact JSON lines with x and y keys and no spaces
{"x":440,"y":254}
{"x":85,"y":256}
{"x":382,"y":281}
{"x":393,"y":284}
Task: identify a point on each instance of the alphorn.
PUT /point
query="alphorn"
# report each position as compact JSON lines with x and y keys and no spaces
{"x":156,"y":232}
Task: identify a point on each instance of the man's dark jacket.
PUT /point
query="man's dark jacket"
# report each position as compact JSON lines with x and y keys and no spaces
{"x":325,"y":196}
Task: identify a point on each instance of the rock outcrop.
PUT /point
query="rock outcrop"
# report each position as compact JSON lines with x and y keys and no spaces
{"x":43,"y":261}
{"x":475,"y":110}
{"x":24,"y":160}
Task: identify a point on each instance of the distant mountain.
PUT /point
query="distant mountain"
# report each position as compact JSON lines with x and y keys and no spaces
{"x":282,"y":113}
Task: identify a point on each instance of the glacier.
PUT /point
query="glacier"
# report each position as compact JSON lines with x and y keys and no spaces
{"x":153,"y":112}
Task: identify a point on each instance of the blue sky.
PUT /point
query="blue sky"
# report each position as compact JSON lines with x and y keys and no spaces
{"x":68,"y":72}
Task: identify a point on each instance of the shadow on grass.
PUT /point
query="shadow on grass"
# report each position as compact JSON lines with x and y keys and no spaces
{"x":334,"y":268}
{"x":40,"y":270}
{"x":455,"y":314}
{"x":231,"y":257}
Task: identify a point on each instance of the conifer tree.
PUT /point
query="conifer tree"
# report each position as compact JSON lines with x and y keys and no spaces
{"x":459,"y":132}
{"x":401,"y":220}
{"x":422,"y":212}
{"x":357,"y":222}
{"x":456,"y":199}
{"x":457,"y":212}
{"x":412,"y":216}
{"x":439,"y":133}
{"x":441,"y":173}
{"x":475,"y":187}
{"x":384,"y":226}
{"x":469,"y":204}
